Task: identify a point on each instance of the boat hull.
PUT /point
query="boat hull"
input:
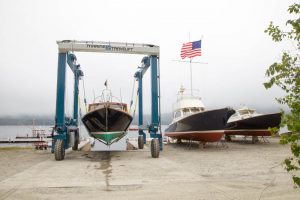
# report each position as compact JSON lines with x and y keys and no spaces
{"x":254,"y":126}
{"x":106,"y":124}
{"x":207,"y":126}
{"x":203,"y":136}
{"x":248,"y":132}
{"x":108,"y":137}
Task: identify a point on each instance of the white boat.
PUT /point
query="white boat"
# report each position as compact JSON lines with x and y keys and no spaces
{"x":191,"y":121}
{"x":248,"y":122}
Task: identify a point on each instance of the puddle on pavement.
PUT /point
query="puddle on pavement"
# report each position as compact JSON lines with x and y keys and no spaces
{"x":106,"y":167}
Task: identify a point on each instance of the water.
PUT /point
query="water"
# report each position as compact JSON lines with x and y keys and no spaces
{"x":14,"y":131}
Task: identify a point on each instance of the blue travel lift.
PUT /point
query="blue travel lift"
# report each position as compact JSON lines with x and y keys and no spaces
{"x":154,"y":127}
{"x":66,"y":131}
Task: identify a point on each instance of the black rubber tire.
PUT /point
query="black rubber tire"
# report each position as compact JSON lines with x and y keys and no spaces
{"x":59,"y":150}
{"x":228,"y":138}
{"x":141,"y":142}
{"x":75,"y":147}
{"x":155,"y":148}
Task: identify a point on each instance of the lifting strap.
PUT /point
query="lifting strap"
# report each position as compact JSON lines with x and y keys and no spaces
{"x":132,"y":92}
{"x":136,"y":100}
{"x":84,"y":96}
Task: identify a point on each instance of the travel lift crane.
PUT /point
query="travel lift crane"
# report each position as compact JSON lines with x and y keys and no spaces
{"x":66,"y":129}
{"x":156,"y":143}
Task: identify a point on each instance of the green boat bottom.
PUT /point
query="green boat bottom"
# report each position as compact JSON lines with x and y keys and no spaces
{"x":108,"y":137}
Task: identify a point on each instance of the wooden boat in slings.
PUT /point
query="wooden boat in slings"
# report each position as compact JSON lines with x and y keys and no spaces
{"x":107,"y":121}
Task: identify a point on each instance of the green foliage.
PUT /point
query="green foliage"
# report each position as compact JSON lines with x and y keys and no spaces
{"x":286,"y":75}
{"x":296,"y":180}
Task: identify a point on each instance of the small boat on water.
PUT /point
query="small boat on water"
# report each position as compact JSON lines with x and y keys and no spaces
{"x":107,"y":121}
{"x":248,"y":122}
{"x":192,"y":122}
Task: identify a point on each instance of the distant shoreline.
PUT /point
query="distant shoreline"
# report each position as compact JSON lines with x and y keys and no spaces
{"x":27,"y":120}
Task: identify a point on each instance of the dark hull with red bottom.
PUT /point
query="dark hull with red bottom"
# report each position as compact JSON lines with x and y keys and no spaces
{"x":207,"y":126}
{"x":203,"y":136}
{"x":254,"y":126}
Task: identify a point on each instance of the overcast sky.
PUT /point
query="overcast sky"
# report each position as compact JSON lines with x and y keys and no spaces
{"x":234,"y":45}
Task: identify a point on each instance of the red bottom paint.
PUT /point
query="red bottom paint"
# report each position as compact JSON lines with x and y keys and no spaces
{"x":257,"y":132}
{"x":203,"y":136}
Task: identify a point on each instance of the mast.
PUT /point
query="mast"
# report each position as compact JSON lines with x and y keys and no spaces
{"x":191,"y":78}
{"x":191,"y":67}
{"x":191,"y":71}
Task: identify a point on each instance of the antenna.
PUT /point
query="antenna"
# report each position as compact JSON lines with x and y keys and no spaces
{"x":94,"y":96}
{"x":175,"y":60}
{"x":191,"y":72}
{"x":121,"y":95}
{"x":191,"y":61}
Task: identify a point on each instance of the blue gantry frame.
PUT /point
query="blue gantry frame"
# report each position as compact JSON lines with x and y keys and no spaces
{"x":63,"y":124}
{"x":153,"y":128}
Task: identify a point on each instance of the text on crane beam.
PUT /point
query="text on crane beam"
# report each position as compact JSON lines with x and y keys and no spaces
{"x":108,"y":47}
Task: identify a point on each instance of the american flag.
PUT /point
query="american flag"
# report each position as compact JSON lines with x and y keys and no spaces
{"x":191,"y":49}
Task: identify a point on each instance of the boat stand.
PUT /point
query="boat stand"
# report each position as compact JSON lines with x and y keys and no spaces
{"x":264,"y":139}
{"x":222,"y":143}
{"x":190,"y":143}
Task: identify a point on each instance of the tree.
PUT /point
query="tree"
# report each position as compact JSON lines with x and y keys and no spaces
{"x":286,"y":75}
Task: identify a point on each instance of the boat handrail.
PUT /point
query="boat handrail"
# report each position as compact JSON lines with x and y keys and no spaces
{"x":192,"y":94}
{"x":187,"y":96}
{"x":106,"y":97}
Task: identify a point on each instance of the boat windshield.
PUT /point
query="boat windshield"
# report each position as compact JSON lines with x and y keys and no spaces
{"x":117,"y":106}
{"x":246,"y":112}
{"x":187,"y":111}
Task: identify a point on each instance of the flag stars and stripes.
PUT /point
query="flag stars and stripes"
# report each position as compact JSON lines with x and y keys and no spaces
{"x":191,"y":49}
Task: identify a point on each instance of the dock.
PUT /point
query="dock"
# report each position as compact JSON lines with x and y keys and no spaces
{"x":22,"y":140}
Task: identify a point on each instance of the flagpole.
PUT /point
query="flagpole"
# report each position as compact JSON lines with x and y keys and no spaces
{"x":191,"y":77}
{"x":183,"y":55}
{"x":191,"y":73}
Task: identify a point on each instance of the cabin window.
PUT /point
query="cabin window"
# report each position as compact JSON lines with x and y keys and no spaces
{"x":251,"y":111}
{"x":194,"y":110}
{"x":186,"y":111}
{"x":117,"y":107}
{"x":244,"y":112}
{"x":177,"y":114}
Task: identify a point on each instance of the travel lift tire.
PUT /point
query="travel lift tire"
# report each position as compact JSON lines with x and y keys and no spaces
{"x":141,"y":142}
{"x":155,"y":148}
{"x":59,"y":150}
{"x":76,"y":142}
